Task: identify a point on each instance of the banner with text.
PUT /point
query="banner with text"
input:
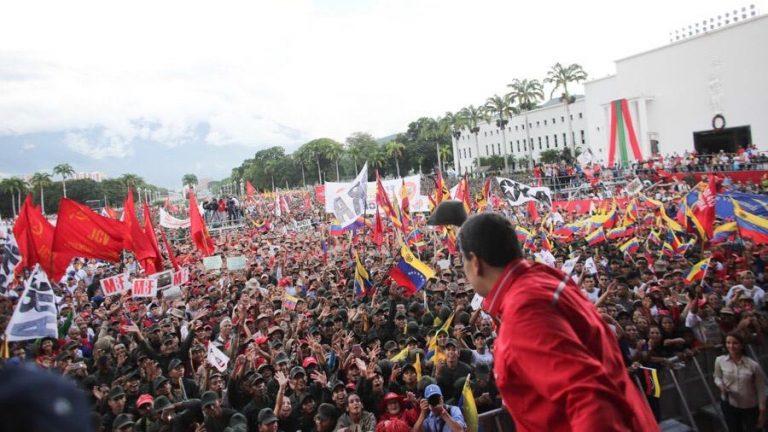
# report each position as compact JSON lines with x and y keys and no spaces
{"x":36,"y":314}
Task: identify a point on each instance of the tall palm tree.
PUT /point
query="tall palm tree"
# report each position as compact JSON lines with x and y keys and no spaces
{"x":130,"y":180}
{"x":444,"y":152}
{"x":527,"y":93}
{"x":270,"y":168}
{"x":394,"y":150}
{"x":41,"y":180}
{"x":298,"y":158}
{"x":64,"y":170}
{"x":502,"y":107}
{"x":20,"y":186}
{"x":378,"y":159}
{"x":456,"y":123}
{"x":560,"y":76}
{"x":334,"y":151}
{"x":355,"y":153}
{"x":472,"y":117}
{"x":189,"y":180}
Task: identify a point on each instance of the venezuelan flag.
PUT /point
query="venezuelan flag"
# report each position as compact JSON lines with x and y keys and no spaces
{"x":751,"y":226}
{"x":724,"y":233}
{"x":631,"y":246}
{"x":290,"y":301}
{"x":362,"y":282}
{"x":595,"y":237}
{"x":667,"y":249}
{"x":698,"y":270}
{"x":654,"y":238}
{"x":651,"y":382}
{"x":523,"y":235}
{"x":545,"y":243}
{"x":468,"y":406}
{"x":410,"y":272}
{"x":619,"y":232}
{"x":612,"y":218}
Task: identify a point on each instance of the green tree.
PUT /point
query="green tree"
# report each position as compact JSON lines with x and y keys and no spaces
{"x":41,"y":180}
{"x":359,"y":145}
{"x":394,"y":150}
{"x":560,"y":76}
{"x":7,"y":187}
{"x":549,"y":156}
{"x":131,"y":180}
{"x":455,"y":123}
{"x":64,"y":170}
{"x":493,"y":163}
{"x":334,"y":151}
{"x":472,"y":116}
{"x":502,"y":108}
{"x":377,"y":159}
{"x":527,"y":93}
{"x":445,"y":154}
{"x":189,"y":180}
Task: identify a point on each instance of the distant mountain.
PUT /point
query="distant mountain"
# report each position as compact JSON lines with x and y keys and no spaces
{"x":386,"y":139}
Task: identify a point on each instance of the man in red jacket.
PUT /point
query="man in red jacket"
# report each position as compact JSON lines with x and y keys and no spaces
{"x":558,"y":366}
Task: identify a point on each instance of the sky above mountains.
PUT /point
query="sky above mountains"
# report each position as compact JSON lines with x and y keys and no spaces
{"x":161,"y":89}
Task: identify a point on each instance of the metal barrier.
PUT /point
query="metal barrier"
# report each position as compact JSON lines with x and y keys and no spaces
{"x":497,"y":420}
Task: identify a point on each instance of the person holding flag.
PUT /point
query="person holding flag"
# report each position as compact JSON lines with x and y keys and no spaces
{"x":562,"y":368}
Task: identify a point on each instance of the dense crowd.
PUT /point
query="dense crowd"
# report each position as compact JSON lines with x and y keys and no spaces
{"x":308,"y":352}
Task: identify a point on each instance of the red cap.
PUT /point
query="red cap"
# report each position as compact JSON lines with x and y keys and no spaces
{"x":261,"y":340}
{"x":309,"y":361}
{"x":392,"y":397}
{"x":144,"y":399}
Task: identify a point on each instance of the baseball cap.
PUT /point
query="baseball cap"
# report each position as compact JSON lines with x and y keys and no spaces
{"x":144,"y":399}
{"x":309,"y":361}
{"x":116,"y":392}
{"x":431,"y":390}
{"x":122,"y":420}
{"x":209,"y":398}
{"x":267,"y":416}
{"x":297,"y":370}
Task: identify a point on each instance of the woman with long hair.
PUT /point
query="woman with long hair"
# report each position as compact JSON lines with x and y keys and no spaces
{"x":742,"y":387}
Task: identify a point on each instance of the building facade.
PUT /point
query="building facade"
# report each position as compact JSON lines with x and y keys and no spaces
{"x":525,"y":135}
{"x":703,"y":93}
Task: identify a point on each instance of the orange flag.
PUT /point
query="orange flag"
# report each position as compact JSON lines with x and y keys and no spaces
{"x":34,"y":235}
{"x":82,"y":233}
{"x":149,"y":232}
{"x":135,"y":240}
{"x":250,"y":191}
{"x":197,"y":229}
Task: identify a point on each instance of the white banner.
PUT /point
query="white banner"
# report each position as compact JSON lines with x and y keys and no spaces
{"x":236,"y":262}
{"x":350,"y":202}
{"x":213,"y":262}
{"x":9,"y":257}
{"x":114,"y":285}
{"x":168,"y":221}
{"x":518,"y":193}
{"x":568,"y":266}
{"x":416,"y":201}
{"x":144,"y":287}
{"x":590,"y":266}
{"x":181,"y":276}
{"x":164,"y":279}
{"x":216,"y":358}
{"x":35,"y":315}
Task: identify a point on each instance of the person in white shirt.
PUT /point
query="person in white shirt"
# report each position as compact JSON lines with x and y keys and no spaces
{"x":747,"y":288}
{"x":589,"y":289}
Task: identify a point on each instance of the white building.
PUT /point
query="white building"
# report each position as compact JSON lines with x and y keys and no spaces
{"x":95,"y":176}
{"x":673,"y":94}
{"x":546,"y":129}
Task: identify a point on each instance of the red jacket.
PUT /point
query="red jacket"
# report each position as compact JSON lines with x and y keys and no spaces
{"x":558,"y":366}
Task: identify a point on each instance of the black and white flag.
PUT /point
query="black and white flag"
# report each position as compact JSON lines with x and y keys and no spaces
{"x":35,"y":315}
{"x":10,"y":256}
{"x":517,"y":193}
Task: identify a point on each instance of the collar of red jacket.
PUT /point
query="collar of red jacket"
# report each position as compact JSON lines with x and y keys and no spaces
{"x":493,"y":301}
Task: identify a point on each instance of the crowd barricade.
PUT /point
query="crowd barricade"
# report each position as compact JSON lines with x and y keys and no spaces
{"x":497,"y":420}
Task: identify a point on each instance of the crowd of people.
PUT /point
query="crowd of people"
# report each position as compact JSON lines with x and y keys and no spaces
{"x":309,"y":352}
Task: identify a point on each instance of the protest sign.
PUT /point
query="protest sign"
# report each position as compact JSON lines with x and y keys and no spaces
{"x":569,"y":265}
{"x":170,"y":222}
{"x":634,"y":187}
{"x":236,"y":263}
{"x":302,"y":225}
{"x":114,"y":285}
{"x":213,"y":262}
{"x":180,"y":276}
{"x":589,"y":266}
{"x":517,"y":193}
{"x":216,"y":358}
{"x":144,"y":287}
{"x":477,"y":302}
{"x":164,"y":279}
{"x":35,"y":315}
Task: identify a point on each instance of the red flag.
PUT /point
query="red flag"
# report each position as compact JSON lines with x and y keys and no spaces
{"x":378,"y":229}
{"x":533,"y":213}
{"x":171,"y":254}
{"x":149,"y":232}
{"x":82,"y":233}
{"x":168,"y":206}
{"x":135,"y":239}
{"x":34,"y":235}
{"x":704,"y":209}
{"x":250,"y":191}
{"x":197,"y":229}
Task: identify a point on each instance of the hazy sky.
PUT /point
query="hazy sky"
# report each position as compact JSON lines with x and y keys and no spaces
{"x":110,"y":84}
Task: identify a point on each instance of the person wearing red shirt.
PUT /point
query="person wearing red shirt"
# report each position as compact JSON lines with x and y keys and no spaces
{"x":558,"y":365}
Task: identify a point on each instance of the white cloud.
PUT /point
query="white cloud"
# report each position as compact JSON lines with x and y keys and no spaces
{"x":28,"y":146}
{"x":280,"y":72}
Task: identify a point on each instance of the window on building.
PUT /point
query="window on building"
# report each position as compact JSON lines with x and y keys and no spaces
{"x":470,"y":153}
{"x":525,"y":147}
{"x":539,"y":144}
{"x":565,"y":140}
{"x":546,"y":140}
{"x":498,"y":147}
{"x":485,"y":134}
{"x":581,"y":115}
{"x":583,"y":140}
{"x":522,"y":126}
{"x":553,"y":120}
{"x":573,"y":138}
{"x":545,"y":122}
{"x":562,"y":119}
{"x":538,"y":123}
{"x":515,"y":127}
{"x":486,"y":150}
{"x":518,"y":146}
{"x":571,"y":116}
{"x":530,"y":125}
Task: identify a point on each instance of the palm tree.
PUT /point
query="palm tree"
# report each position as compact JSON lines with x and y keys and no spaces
{"x":20,"y":186}
{"x":455,"y":123}
{"x":64,"y":170}
{"x":270,"y":168}
{"x":189,"y":180}
{"x":377,"y":159}
{"x":334,"y":151}
{"x":298,"y":158}
{"x":560,"y":76}
{"x":41,"y":180}
{"x":502,"y":107}
{"x":7,"y":186}
{"x":355,"y":153}
{"x":444,"y":152}
{"x":130,"y":180}
{"x":394,"y":150}
{"x":472,"y":117}
{"x":526,"y":93}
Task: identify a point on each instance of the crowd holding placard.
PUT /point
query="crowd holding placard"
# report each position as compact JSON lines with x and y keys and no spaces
{"x":299,"y":324}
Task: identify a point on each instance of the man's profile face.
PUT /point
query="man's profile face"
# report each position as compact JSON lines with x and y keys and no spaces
{"x":471,"y":270}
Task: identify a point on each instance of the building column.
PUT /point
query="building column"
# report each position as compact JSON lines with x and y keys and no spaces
{"x":456,"y":151}
{"x":642,"y":127}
